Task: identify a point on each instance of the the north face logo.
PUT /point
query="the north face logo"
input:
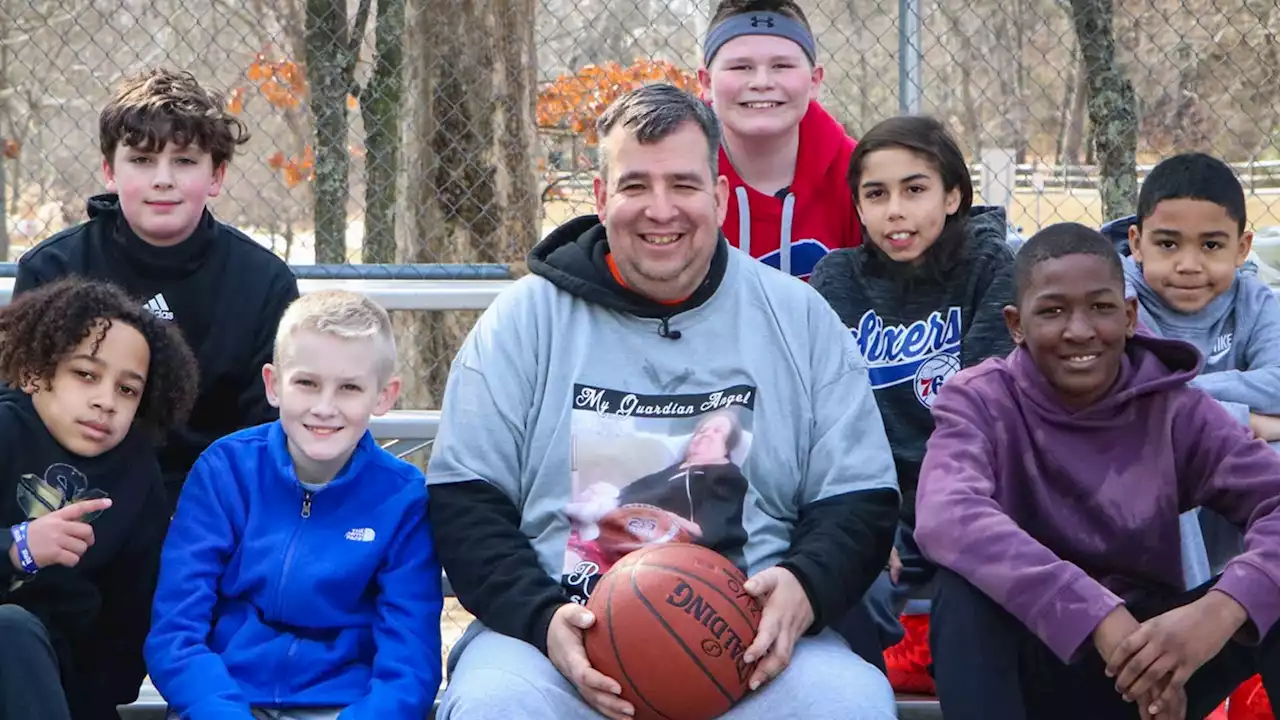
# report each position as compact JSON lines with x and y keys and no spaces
{"x":361,"y":534}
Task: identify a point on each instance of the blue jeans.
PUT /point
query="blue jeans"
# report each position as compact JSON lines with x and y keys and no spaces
{"x":873,"y":625}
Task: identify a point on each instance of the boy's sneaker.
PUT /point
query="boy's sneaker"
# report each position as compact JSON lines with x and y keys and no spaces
{"x":907,"y":663}
{"x":1248,"y":702}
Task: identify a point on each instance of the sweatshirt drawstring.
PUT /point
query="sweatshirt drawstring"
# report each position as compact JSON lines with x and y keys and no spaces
{"x":784,"y":240}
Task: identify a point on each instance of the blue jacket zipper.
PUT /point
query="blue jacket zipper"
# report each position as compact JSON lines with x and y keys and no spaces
{"x":284,"y":572}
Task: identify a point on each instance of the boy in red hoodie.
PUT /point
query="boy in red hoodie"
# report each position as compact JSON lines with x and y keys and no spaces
{"x":785,"y":157}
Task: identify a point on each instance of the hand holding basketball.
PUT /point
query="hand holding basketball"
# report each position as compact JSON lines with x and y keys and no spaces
{"x":787,"y":614}
{"x":61,"y":538}
{"x":566,"y":650}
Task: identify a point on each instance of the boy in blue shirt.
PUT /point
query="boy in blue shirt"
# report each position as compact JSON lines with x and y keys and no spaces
{"x":1187,"y":246}
{"x":299,"y":579}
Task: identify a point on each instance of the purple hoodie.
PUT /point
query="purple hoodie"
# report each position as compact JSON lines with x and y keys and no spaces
{"x":1061,"y":516}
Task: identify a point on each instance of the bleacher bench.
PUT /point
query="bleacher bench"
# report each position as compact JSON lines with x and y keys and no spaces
{"x":406,"y":431}
{"x":403,"y":432}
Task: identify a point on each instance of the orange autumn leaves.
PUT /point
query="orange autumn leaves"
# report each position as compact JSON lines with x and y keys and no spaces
{"x":573,"y":102}
{"x":283,"y":84}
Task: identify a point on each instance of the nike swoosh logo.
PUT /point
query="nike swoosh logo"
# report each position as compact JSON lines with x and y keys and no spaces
{"x":1215,"y":357}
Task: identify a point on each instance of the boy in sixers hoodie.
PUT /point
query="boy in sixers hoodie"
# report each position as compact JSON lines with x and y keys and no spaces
{"x":923,"y":297}
{"x":1051,"y":492}
{"x":784,"y":156}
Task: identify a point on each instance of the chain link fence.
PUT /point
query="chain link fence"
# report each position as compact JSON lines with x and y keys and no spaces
{"x":458,"y":131}
{"x":443,"y":131}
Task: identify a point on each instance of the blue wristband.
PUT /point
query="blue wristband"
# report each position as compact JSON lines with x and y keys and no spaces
{"x":25,"y":557}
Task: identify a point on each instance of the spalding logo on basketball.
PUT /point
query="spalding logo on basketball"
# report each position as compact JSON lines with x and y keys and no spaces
{"x":932,"y":375}
{"x":672,"y":625}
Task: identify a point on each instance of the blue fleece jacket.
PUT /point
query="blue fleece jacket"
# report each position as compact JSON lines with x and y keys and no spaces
{"x":274,"y":596}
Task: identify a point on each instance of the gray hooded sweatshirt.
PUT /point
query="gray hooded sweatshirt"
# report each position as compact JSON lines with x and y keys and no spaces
{"x":744,"y":416}
{"x":1238,"y":333}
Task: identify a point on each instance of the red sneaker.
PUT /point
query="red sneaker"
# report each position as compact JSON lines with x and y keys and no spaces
{"x":907,"y":663}
{"x":1250,"y":702}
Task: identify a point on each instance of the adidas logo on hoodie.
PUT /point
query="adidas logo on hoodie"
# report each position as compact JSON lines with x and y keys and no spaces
{"x":159,"y":307}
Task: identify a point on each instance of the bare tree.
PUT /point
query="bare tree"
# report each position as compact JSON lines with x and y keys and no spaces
{"x":1074,"y":107}
{"x":1113,"y":113}
{"x":470,"y":192}
{"x":380,"y":109}
{"x":332,"y":48}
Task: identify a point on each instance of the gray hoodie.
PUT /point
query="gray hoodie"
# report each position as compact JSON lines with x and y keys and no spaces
{"x":916,"y":335}
{"x":581,"y":418}
{"x":1238,"y":333}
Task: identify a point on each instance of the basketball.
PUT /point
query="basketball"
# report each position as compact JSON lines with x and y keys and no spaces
{"x":672,"y":625}
{"x":636,"y":525}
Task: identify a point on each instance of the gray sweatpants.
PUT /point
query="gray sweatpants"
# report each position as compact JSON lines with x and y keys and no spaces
{"x":498,"y":676}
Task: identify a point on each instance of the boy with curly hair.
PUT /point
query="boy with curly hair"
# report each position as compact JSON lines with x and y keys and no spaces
{"x":166,"y":142}
{"x":92,"y":377}
{"x":299,"y":580}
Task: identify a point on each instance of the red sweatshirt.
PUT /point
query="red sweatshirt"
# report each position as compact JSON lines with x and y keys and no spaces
{"x":812,"y":217}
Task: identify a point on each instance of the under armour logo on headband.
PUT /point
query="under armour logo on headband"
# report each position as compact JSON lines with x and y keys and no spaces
{"x":760,"y":23}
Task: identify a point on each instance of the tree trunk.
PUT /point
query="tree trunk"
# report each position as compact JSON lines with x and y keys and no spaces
{"x":380,"y":108}
{"x":1113,"y":113}
{"x":1073,"y":137}
{"x":470,"y":192}
{"x":4,"y":182}
{"x":969,"y":106}
{"x":327,"y":60}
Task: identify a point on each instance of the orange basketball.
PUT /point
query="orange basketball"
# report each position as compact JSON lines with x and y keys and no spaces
{"x":636,"y":525}
{"x":672,"y":624}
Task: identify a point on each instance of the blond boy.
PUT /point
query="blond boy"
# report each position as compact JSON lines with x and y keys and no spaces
{"x":299,"y":579}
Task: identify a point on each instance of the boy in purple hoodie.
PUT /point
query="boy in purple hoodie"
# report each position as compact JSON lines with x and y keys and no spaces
{"x":1050,"y":494}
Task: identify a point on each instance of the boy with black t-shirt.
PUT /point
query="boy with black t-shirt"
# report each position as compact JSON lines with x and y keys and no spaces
{"x":166,"y":142}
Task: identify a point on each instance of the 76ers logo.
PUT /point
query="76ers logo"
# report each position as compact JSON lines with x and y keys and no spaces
{"x":932,"y":375}
{"x":924,"y":352}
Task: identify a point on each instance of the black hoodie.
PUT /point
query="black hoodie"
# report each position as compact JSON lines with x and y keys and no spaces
{"x":225,"y":292}
{"x":916,"y":330}
{"x":838,"y":545}
{"x":98,"y":613}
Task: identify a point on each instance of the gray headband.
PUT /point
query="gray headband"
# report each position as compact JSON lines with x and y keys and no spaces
{"x":761,"y":23}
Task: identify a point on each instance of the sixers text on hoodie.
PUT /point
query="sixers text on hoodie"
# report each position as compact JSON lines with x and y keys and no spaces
{"x":223,"y":290}
{"x":915,"y":337}
{"x":97,"y":613}
{"x":795,"y":229}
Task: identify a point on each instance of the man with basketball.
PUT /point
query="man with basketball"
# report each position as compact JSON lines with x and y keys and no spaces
{"x":595,"y":371}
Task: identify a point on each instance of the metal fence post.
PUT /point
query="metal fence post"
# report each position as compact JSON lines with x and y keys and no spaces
{"x":909,"y":89}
